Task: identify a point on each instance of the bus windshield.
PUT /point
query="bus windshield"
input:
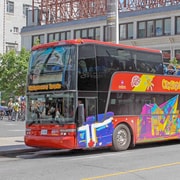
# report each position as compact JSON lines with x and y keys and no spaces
{"x":51,"y":108}
{"x":52,"y":65}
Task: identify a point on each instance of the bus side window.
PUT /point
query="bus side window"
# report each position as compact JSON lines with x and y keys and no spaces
{"x":82,"y":68}
{"x":130,"y":65}
{"x":121,"y":67}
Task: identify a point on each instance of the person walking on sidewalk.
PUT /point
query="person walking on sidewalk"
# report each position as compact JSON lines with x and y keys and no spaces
{"x":10,"y":109}
{"x":16,"y":108}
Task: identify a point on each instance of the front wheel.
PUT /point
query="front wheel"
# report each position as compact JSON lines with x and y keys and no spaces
{"x":121,"y":138}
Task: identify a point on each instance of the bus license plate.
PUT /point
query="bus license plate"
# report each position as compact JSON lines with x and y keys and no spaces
{"x":44,"y":132}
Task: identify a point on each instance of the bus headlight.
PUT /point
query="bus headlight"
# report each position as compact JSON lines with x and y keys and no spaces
{"x":68,"y":132}
{"x":28,"y":131}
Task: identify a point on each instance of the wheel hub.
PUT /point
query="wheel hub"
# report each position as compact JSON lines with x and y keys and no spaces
{"x":122,"y":137}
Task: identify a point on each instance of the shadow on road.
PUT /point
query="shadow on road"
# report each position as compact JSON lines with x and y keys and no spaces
{"x":47,"y":153}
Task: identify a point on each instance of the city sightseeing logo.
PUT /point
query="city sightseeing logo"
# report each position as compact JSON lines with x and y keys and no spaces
{"x":122,"y":85}
{"x":135,"y":81}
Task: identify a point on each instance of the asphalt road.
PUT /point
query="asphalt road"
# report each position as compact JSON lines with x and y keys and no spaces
{"x":144,"y":162}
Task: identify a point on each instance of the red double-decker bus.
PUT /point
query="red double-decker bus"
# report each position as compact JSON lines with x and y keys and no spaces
{"x":89,"y":94}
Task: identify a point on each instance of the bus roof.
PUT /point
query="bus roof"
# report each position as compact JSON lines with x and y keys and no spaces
{"x":90,"y":41}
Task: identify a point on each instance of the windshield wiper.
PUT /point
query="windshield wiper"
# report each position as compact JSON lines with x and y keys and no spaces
{"x":33,"y":122}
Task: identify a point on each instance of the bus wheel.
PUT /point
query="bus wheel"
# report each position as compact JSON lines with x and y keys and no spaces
{"x":121,"y":138}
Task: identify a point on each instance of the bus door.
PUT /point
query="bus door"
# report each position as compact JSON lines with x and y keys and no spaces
{"x":91,"y":107}
{"x":86,"y":136}
{"x":96,"y":130}
{"x":89,"y":112}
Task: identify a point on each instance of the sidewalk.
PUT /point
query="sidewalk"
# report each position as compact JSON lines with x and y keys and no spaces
{"x":13,"y":145}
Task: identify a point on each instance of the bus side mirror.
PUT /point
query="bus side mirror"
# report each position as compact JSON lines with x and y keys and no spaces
{"x":81,"y":117}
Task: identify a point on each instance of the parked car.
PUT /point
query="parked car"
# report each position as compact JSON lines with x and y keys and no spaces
{"x":3,"y":110}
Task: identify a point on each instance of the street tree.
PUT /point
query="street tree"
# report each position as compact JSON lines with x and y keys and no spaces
{"x":13,"y":71}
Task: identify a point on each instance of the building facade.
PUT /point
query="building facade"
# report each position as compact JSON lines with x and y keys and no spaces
{"x":12,"y":19}
{"x":157,"y":28}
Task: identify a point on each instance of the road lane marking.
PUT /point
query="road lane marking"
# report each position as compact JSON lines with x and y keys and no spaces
{"x":132,"y":171}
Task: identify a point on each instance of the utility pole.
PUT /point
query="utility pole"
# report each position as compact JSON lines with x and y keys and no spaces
{"x":117,"y":21}
{"x":111,"y":21}
{"x":4,"y":26}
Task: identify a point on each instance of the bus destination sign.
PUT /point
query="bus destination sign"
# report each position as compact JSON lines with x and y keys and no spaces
{"x":44,"y":87}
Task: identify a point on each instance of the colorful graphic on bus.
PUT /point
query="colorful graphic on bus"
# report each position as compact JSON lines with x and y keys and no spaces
{"x":159,"y":121}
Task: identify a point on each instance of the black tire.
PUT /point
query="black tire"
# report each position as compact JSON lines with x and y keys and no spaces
{"x":121,"y":138}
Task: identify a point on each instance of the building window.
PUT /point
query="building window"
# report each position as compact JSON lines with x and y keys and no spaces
{"x":84,"y":33}
{"x":77,"y":34}
{"x":167,"y":26}
{"x":122,"y":31}
{"x":150,"y":28}
{"x":58,"y":36}
{"x":177,"y":25}
{"x":126,"y":31}
{"x":41,"y":37}
{"x":10,"y":7}
{"x":159,"y":27}
{"x":141,"y":29}
{"x":90,"y":33}
{"x":97,"y":33}
{"x":62,"y":36}
{"x":130,"y":30}
{"x":15,"y":29}
{"x":38,"y":39}
{"x":10,"y":47}
{"x":177,"y":55}
{"x":68,"y":35}
{"x":51,"y":37}
{"x":105,"y":33}
{"x":25,"y":9}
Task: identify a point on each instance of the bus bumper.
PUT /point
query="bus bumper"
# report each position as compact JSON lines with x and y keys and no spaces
{"x":50,"y":142}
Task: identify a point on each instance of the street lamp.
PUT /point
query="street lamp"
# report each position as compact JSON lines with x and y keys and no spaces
{"x":117,"y":22}
{"x":113,"y":21}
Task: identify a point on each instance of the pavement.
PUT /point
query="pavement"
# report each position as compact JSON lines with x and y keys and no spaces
{"x":10,"y":145}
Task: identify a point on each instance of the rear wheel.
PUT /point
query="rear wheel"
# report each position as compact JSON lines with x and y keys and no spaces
{"x":121,"y":138}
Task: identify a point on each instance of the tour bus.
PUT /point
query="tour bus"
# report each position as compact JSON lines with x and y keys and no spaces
{"x":86,"y":94}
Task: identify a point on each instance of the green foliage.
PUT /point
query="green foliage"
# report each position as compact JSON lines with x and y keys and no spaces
{"x":37,"y":42}
{"x":174,"y":61}
{"x":13,"y":71}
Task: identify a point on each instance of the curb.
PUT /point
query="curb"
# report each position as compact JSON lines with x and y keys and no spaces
{"x":10,"y":150}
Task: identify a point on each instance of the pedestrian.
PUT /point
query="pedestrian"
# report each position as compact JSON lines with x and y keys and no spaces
{"x":22,"y":110}
{"x":16,"y":108}
{"x":171,"y":69}
{"x":10,"y":109}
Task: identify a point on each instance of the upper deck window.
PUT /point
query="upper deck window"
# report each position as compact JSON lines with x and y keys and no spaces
{"x":53,"y":65}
